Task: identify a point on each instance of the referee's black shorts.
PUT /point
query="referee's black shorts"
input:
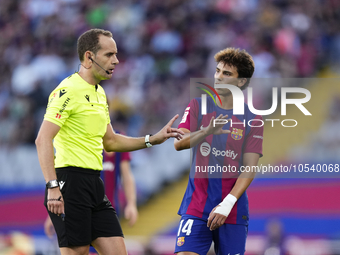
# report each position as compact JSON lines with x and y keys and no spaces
{"x":88,"y":212}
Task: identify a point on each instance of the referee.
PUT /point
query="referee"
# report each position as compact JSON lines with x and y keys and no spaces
{"x":77,"y":124}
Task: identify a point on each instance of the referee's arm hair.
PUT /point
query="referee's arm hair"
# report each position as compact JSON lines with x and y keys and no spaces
{"x":47,"y":132}
{"x":44,"y":144}
{"x":121,"y":143}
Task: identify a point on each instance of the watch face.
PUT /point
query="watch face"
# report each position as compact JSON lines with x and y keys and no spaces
{"x":52,"y":184}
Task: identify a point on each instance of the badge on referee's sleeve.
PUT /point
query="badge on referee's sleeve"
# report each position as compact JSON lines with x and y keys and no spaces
{"x":62,"y":92}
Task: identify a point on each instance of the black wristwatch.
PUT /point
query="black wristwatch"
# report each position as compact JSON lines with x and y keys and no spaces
{"x":52,"y":184}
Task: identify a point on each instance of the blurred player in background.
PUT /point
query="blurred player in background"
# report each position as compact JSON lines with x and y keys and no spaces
{"x":77,"y":124}
{"x":116,"y":166}
{"x":117,"y":171}
{"x":216,"y":209}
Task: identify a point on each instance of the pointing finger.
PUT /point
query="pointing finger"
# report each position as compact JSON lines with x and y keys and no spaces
{"x":172,"y":120}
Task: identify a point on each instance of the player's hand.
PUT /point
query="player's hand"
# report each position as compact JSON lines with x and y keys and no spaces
{"x":55,"y":201}
{"x":219,"y":214}
{"x":49,"y":228}
{"x":216,"y":124}
{"x":131,"y":214}
{"x":215,"y":220}
{"x":166,"y":132}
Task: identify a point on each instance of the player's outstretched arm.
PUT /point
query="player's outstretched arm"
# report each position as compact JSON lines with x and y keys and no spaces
{"x":121,"y":143}
{"x":191,"y":139}
{"x":219,"y":214}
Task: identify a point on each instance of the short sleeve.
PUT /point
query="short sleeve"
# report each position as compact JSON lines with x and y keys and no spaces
{"x":190,"y":116}
{"x":254,"y":139}
{"x":126,"y":156}
{"x":108,"y":120}
{"x":59,"y":106}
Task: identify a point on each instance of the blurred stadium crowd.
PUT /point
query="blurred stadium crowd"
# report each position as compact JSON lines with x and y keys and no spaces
{"x":161,"y":44}
{"x":323,"y":144}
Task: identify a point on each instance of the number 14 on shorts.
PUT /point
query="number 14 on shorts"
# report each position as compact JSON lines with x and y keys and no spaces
{"x":186,"y":229}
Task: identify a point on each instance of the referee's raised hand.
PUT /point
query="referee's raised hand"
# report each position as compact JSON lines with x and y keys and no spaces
{"x":167,"y":132}
{"x":55,"y":201}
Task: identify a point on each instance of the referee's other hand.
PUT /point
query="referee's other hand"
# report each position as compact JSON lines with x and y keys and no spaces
{"x":55,"y":201}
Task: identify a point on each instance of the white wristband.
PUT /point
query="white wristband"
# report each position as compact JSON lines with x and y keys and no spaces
{"x":226,"y":205}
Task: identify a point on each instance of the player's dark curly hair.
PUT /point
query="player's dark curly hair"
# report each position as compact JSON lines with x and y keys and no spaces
{"x":90,"y":41}
{"x":240,"y":59}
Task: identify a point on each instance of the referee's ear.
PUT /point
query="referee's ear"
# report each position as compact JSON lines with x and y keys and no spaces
{"x":88,"y":56}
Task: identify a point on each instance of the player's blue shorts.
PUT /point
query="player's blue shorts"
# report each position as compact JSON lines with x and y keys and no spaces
{"x":193,"y":235}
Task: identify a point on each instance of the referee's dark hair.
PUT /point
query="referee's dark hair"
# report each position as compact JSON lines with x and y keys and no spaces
{"x":240,"y":59}
{"x":90,"y":41}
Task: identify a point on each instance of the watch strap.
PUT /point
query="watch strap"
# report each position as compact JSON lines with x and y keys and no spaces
{"x":147,"y":141}
{"x":52,"y":184}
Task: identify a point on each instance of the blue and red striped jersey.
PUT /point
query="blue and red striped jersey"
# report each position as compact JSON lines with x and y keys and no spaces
{"x":217,"y":159}
{"x":111,"y":176}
